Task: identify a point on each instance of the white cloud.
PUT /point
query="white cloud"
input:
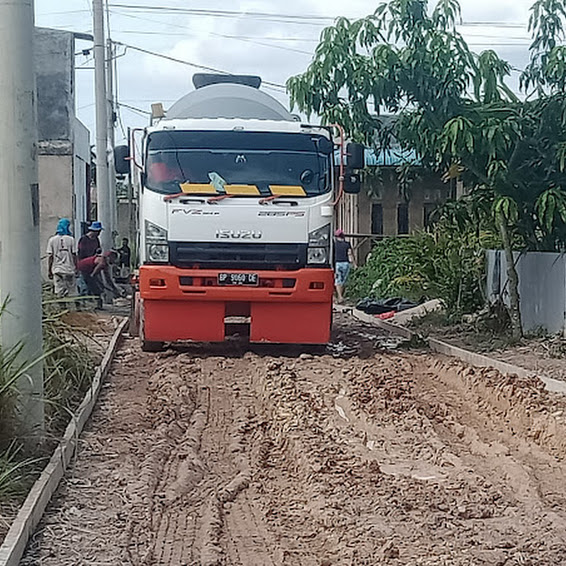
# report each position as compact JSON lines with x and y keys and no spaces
{"x":144,"y":78}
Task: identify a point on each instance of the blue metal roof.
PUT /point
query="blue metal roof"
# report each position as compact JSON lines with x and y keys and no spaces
{"x":386,"y":158}
{"x":390,"y":157}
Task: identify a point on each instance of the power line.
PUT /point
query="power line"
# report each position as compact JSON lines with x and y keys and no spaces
{"x":232,"y":17}
{"x":85,"y":11}
{"x":221,"y":13}
{"x":233,"y":37}
{"x":262,"y":37}
{"x":191,"y":64}
{"x":224,"y":36}
{"x":513,"y":25}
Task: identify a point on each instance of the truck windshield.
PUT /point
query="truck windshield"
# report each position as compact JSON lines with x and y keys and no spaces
{"x":217,"y":159}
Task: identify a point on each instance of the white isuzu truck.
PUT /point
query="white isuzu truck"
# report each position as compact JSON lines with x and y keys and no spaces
{"x":236,"y":206}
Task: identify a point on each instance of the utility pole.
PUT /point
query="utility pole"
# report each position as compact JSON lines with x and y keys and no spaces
{"x":102,"y":175}
{"x":20,"y":275}
{"x":111,"y":127}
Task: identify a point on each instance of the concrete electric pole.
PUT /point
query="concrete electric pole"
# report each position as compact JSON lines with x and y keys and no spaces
{"x":103,"y":193}
{"x":20,"y":275}
{"x":111,"y":124}
{"x":111,"y":135}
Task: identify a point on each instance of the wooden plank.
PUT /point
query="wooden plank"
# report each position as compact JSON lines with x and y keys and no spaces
{"x":34,"y":506}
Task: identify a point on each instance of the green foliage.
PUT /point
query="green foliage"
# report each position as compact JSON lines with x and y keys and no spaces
{"x":69,"y":366}
{"x":453,"y":107}
{"x":444,"y":263}
{"x":14,"y":477}
{"x":68,"y":371}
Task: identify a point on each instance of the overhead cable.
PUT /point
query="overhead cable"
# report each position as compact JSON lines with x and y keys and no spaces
{"x":190,"y":64}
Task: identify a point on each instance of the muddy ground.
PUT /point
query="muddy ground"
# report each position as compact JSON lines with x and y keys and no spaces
{"x":230,"y":455}
{"x":545,"y":354}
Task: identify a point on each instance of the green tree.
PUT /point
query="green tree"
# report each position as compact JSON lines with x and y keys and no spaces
{"x":455,"y":109}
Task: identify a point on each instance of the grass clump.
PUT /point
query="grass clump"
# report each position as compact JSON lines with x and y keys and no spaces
{"x":69,"y":367}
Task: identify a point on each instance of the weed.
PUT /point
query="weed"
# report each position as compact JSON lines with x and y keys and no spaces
{"x":14,"y":476}
{"x":443,"y":263}
{"x":68,"y":368}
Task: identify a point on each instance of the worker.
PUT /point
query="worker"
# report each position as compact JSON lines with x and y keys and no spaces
{"x":89,"y":244}
{"x":163,"y":168}
{"x":62,"y":260}
{"x":125,"y":258}
{"x":94,"y":270}
{"x":343,"y":261}
{"x":125,"y":253}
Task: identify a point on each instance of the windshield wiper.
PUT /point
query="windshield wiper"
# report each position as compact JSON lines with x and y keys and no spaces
{"x":213,"y":200}
{"x":171,"y":197}
{"x":265,"y":200}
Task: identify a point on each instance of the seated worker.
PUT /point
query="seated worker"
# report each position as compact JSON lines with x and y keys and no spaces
{"x":92,"y":272}
{"x":162,"y":168}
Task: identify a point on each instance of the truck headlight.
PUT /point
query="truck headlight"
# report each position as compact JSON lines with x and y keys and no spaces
{"x":156,"y":245}
{"x":154,"y":234}
{"x":158,"y":253}
{"x":317,"y":256}
{"x":318,"y":252}
{"x":320,"y":237}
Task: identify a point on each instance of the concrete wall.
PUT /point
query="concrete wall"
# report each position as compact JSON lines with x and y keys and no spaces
{"x":386,"y":190}
{"x":63,"y":141}
{"x":542,"y":288}
{"x":354,"y":214}
{"x":81,"y":181}
{"x":56,"y":194}
{"x":54,"y":53}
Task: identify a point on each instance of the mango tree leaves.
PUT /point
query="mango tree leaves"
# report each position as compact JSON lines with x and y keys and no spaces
{"x":452,"y":107}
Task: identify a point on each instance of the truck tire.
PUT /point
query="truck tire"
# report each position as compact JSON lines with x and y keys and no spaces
{"x":134,"y":326}
{"x":147,"y":346}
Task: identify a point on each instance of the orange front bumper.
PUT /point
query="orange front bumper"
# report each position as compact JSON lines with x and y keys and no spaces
{"x":188,"y":304}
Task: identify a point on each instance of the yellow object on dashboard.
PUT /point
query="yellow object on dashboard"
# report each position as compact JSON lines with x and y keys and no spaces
{"x":241,"y":190}
{"x":209,"y":189}
{"x":287,"y":190}
{"x":198,"y":188}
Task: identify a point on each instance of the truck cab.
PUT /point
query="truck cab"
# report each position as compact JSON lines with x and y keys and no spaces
{"x":236,"y":213}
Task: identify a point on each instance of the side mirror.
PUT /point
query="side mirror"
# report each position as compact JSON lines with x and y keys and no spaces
{"x":355,"y":156}
{"x":122,"y":159}
{"x":352,"y":183}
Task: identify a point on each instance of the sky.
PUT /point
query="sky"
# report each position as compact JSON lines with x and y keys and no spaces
{"x":270,"y":38}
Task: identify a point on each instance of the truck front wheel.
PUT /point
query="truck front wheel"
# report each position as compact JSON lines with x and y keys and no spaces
{"x":134,"y":326}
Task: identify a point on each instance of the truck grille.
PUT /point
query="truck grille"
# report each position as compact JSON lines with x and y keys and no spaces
{"x":237,"y":255}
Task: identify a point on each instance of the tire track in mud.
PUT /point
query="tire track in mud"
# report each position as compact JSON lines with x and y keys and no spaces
{"x":171,"y":469}
{"x":197,"y":465}
{"x":230,"y":536}
{"x":218,"y":456}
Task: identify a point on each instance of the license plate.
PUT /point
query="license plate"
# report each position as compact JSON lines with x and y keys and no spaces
{"x":251,"y":279}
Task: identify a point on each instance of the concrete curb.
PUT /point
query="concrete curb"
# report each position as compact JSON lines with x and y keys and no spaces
{"x":478,"y":360}
{"x":32,"y":510}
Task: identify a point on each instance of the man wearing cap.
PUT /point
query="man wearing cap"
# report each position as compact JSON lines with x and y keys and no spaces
{"x":62,"y":259}
{"x":89,"y":244}
{"x":343,"y":260}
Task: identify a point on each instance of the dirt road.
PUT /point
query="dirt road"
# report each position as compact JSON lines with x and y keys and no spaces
{"x":227,"y":456}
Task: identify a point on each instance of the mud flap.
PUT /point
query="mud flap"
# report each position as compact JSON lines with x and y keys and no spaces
{"x":291,"y":323}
